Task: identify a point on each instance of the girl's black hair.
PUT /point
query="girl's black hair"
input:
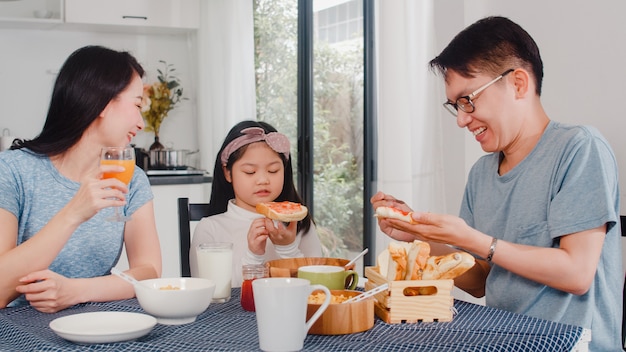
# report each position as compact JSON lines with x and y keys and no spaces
{"x":222,"y":191}
{"x":89,"y":79}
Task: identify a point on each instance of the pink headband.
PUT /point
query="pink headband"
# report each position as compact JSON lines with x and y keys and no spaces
{"x":277,"y":141}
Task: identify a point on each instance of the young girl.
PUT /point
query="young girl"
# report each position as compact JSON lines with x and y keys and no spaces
{"x":253,"y":166}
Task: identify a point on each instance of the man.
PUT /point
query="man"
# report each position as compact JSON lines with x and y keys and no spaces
{"x":542,"y":207}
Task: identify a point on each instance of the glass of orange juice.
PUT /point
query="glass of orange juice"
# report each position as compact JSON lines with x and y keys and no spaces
{"x":125,"y":157}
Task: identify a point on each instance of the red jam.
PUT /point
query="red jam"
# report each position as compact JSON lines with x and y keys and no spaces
{"x":247,"y":297}
{"x":250,"y":273}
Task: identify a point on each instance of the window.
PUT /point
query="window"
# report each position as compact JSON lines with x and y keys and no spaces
{"x":310,"y":80}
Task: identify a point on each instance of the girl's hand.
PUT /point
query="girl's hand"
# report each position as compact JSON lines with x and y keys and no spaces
{"x":281,"y":235}
{"x":49,"y":292}
{"x":257,"y":236}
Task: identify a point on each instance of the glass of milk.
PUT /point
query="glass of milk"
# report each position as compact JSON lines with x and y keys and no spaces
{"x":215,"y":262}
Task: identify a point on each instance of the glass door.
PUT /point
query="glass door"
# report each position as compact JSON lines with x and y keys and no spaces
{"x":335,"y":101}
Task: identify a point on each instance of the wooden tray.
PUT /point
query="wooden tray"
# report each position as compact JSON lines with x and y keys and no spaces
{"x":411,"y":301}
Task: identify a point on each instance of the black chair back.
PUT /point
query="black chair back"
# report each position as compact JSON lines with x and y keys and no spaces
{"x":188,"y":212}
{"x":622,"y":219}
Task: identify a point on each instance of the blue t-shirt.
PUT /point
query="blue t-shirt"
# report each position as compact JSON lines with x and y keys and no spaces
{"x":567,"y":184}
{"x":34,"y":191}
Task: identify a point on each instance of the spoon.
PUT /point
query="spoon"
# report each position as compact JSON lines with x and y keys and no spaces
{"x":124,"y":276}
{"x":367,"y":294}
{"x":356,"y":258}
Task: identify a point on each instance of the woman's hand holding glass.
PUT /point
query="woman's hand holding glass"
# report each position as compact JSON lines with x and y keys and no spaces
{"x":95,"y":194}
{"x":121,"y":156}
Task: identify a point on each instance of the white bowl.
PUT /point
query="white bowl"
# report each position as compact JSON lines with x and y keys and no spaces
{"x":175,"y":301}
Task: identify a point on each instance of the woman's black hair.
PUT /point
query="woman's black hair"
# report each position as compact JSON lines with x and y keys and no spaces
{"x":222,"y":191}
{"x":88,"y":80}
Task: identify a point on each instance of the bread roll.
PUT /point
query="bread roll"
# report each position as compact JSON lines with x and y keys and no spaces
{"x":418,"y":255}
{"x":396,"y":268}
{"x":448,"y":266}
{"x":393,"y":213}
{"x":412,"y":261}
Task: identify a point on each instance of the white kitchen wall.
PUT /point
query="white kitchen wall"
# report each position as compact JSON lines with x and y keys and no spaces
{"x":30,"y":59}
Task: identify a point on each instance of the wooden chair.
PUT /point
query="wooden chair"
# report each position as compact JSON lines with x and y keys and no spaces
{"x":188,"y":212}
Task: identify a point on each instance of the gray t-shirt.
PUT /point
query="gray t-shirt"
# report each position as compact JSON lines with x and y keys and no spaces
{"x":34,"y":191}
{"x":567,"y":184}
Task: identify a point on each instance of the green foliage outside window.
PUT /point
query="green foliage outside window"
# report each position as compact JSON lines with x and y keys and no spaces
{"x":338,"y":123}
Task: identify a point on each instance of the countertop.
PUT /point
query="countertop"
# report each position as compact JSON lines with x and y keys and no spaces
{"x":179,"y":179}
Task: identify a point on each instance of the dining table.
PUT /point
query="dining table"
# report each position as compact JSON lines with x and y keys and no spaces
{"x":228,"y":327}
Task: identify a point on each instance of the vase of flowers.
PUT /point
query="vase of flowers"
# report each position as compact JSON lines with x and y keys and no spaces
{"x":159,"y":98}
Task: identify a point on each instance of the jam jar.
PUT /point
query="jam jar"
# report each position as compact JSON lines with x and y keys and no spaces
{"x":250,"y":273}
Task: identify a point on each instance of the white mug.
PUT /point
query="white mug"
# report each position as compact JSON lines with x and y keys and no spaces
{"x":281,"y":305}
{"x":215,"y":262}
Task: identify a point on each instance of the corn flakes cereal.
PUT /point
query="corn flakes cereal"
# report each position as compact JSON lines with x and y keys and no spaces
{"x":318,"y":298}
{"x":169,"y":287}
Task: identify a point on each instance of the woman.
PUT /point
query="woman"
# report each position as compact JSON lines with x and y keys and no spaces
{"x":56,"y":246}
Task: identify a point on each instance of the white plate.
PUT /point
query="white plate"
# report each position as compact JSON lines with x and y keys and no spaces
{"x":103,"y":327}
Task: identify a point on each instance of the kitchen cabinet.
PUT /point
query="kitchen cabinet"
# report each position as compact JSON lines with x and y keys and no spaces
{"x":31,"y":13}
{"x":166,"y":214}
{"x":139,"y":16}
{"x":182,"y":14}
{"x":43,"y":44}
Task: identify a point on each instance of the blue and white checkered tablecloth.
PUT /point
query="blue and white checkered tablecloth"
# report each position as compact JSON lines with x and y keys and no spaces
{"x":227,"y":327}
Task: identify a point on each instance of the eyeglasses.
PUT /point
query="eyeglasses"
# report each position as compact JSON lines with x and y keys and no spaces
{"x":465,"y":103}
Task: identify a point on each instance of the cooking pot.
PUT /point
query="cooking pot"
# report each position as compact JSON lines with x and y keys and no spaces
{"x":169,"y":159}
{"x":142,"y":158}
